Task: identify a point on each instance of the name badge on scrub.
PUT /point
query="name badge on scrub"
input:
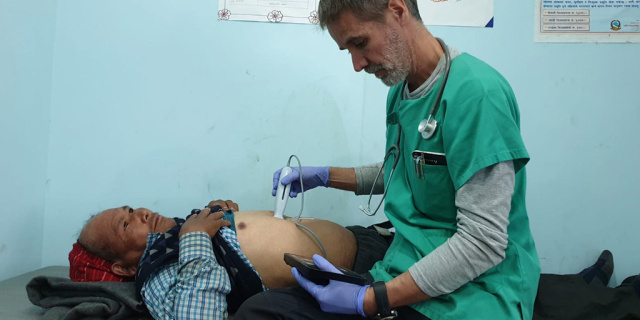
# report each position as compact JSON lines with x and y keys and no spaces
{"x":421,"y":158}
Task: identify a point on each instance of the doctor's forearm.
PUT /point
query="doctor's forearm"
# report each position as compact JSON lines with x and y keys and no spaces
{"x":342,"y":178}
{"x":401,"y":291}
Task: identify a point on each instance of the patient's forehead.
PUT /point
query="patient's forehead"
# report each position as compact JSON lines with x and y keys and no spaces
{"x":99,"y":224}
{"x":106,"y":225}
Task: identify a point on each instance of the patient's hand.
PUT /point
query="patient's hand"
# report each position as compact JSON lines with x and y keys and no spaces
{"x":205,"y":221}
{"x":225,"y":205}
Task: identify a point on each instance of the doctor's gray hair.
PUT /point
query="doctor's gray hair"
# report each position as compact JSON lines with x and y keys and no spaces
{"x":366,"y":10}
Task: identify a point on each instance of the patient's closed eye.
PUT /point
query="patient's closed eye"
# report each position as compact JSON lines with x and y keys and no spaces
{"x":125,"y":225}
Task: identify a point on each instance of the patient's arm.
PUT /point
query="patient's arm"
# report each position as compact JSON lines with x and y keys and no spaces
{"x":265,"y":239}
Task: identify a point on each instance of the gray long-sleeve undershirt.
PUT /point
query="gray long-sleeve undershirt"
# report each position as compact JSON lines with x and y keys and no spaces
{"x":479,"y":244}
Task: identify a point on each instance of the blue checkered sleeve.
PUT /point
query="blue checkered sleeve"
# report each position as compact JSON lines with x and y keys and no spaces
{"x":194,"y":287}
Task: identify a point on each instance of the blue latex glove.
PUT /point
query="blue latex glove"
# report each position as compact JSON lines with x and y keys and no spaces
{"x":311,"y":177}
{"x":337,"y":296}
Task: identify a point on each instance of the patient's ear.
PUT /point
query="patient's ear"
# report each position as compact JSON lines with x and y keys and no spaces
{"x":120,"y":269}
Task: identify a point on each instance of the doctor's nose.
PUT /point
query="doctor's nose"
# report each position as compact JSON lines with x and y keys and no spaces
{"x":359,"y":62}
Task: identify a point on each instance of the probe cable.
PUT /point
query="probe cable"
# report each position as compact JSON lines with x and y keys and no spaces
{"x":297,"y":222}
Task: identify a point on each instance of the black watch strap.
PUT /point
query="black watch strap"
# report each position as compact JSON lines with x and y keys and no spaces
{"x":382,"y":301}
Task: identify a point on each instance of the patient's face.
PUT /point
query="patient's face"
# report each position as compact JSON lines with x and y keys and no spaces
{"x":125,"y":230}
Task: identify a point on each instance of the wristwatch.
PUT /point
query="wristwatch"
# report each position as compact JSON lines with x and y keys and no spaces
{"x":384,"y":310}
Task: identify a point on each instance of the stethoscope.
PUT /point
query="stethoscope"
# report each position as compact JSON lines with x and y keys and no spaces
{"x":427,"y":128}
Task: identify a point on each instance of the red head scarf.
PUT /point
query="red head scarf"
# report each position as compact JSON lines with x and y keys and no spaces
{"x":86,"y":267}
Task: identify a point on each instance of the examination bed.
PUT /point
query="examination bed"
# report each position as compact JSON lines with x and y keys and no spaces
{"x":14,"y":303}
{"x":58,"y":298}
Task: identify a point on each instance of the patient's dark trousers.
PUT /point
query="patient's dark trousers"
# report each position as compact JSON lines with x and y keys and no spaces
{"x":569,"y":297}
{"x":296,"y":303}
{"x":560,"y":297}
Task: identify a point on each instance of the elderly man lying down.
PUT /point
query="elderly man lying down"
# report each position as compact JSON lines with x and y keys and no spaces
{"x":213,"y":260}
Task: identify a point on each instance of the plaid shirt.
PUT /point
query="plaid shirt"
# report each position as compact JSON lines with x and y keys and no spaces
{"x":195,"y":286}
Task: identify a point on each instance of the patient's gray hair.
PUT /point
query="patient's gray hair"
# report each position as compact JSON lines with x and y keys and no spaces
{"x":95,"y":247}
{"x":366,"y":10}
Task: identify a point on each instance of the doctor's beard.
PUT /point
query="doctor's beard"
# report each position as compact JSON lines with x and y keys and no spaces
{"x":398,"y":60}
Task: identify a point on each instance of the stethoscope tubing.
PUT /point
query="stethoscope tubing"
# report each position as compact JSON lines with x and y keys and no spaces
{"x":430,"y":123}
{"x":445,"y":77}
{"x":427,"y":127}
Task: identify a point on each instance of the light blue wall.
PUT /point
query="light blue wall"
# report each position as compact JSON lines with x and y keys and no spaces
{"x":26,"y":44}
{"x":158,"y":104}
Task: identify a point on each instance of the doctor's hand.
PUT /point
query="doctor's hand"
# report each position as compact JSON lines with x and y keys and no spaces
{"x":311,"y":177}
{"x":337,"y":296}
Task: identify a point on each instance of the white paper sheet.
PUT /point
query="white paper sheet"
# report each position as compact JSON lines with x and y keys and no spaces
{"x":587,"y":21}
{"x":467,"y":13}
{"x":476,"y":13}
{"x":292,"y":11}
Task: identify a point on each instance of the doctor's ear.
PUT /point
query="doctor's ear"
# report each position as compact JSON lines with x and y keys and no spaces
{"x":120,"y":269}
{"x":398,"y":8}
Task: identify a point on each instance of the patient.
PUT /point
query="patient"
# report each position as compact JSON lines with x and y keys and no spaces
{"x":122,"y":236}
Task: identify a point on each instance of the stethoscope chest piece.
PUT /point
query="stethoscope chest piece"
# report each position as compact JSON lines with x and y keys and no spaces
{"x":427,"y":127}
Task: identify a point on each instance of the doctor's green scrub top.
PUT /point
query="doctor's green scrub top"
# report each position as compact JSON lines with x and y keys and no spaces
{"x":478,"y":126}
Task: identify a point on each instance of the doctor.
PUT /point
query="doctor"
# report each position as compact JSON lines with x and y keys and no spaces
{"x":453,"y":175}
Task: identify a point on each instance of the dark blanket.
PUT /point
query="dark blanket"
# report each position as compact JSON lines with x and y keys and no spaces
{"x":68,"y":300}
